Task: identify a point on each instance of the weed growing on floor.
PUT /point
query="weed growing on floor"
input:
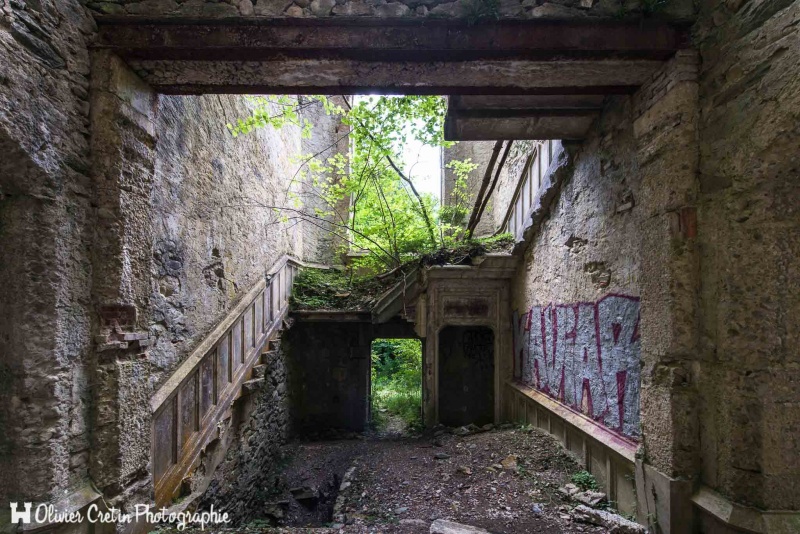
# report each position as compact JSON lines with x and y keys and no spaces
{"x":585,"y":481}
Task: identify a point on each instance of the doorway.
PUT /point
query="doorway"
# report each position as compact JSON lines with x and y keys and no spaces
{"x":466,"y":375}
{"x":396,"y":386}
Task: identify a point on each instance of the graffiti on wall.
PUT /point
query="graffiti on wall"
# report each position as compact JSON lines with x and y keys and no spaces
{"x":586,"y":356}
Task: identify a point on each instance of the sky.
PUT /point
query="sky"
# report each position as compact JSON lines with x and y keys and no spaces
{"x":422,"y":164}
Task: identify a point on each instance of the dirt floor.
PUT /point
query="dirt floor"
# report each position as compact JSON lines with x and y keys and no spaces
{"x":505,"y":481}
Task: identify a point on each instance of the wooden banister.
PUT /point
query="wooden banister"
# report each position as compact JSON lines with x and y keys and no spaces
{"x":198,"y":395}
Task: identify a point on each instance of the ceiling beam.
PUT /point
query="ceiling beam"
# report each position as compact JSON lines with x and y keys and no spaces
{"x":542,"y":126}
{"x":388,"y":40}
{"x":324,"y":76}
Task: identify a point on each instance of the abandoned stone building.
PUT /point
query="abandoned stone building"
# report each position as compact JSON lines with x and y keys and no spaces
{"x":647,"y":317}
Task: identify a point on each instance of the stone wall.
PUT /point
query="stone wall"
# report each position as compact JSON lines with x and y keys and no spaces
{"x":216,"y":233}
{"x":576,"y":300}
{"x":330,"y":371}
{"x":241,"y":483}
{"x":479,"y":152}
{"x":748,"y":223}
{"x":470,"y":9}
{"x":45,"y":196}
{"x":328,"y":138}
{"x":189,"y":224}
{"x":121,"y":262}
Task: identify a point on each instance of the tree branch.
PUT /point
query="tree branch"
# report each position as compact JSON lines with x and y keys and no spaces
{"x":491,"y":190}
{"x":487,"y":175}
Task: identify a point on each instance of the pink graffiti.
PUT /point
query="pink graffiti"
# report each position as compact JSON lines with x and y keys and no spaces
{"x":586,"y":356}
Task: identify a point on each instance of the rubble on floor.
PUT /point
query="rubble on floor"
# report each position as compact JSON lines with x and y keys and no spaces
{"x":465,"y":480}
{"x":616,"y":524}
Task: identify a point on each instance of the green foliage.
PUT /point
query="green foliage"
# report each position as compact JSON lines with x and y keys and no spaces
{"x":332,"y":289}
{"x":397,"y":379}
{"x":387,"y":216}
{"x":585,"y":481}
{"x":462,"y":251}
{"x":454,"y":214}
{"x":278,"y":111}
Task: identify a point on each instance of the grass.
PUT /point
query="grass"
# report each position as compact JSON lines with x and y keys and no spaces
{"x":397,"y":382}
{"x":397,"y":401}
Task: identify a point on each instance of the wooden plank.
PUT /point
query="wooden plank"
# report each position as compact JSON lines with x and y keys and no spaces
{"x":348,"y":76}
{"x":393,"y":40}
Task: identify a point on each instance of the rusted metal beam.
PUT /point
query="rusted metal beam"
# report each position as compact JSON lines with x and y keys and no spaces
{"x":388,"y":40}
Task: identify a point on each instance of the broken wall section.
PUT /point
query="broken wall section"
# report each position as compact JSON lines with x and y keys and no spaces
{"x":245,"y":481}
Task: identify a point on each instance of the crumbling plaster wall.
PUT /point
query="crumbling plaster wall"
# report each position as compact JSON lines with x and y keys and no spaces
{"x":44,"y":221}
{"x":215,"y":232}
{"x":576,"y":297}
{"x":749,"y":232}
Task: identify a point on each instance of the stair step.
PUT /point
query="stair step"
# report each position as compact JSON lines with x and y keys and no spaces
{"x":268,"y":355}
{"x":259,"y":371}
{"x":274,"y":344}
{"x":252,"y":386}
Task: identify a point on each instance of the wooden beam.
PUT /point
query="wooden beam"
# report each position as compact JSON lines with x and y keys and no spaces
{"x":326,"y":76}
{"x":541,"y":125}
{"x":372,"y":39}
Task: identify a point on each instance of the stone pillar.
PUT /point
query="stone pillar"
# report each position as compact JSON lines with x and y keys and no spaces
{"x":665,"y":130}
{"x":123,"y":154}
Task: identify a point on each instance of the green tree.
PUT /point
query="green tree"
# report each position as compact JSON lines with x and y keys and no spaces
{"x":387,"y":215}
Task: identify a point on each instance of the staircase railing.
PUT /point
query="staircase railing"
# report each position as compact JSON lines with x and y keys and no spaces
{"x":531,"y":183}
{"x":188,"y":407}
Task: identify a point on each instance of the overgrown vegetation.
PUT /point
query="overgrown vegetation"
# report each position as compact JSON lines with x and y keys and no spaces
{"x":386,"y":216}
{"x":585,"y":481}
{"x":397,"y":381}
{"x":335,"y":289}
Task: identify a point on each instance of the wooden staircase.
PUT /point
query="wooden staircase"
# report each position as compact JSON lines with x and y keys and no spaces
{"x":193,"y":405}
